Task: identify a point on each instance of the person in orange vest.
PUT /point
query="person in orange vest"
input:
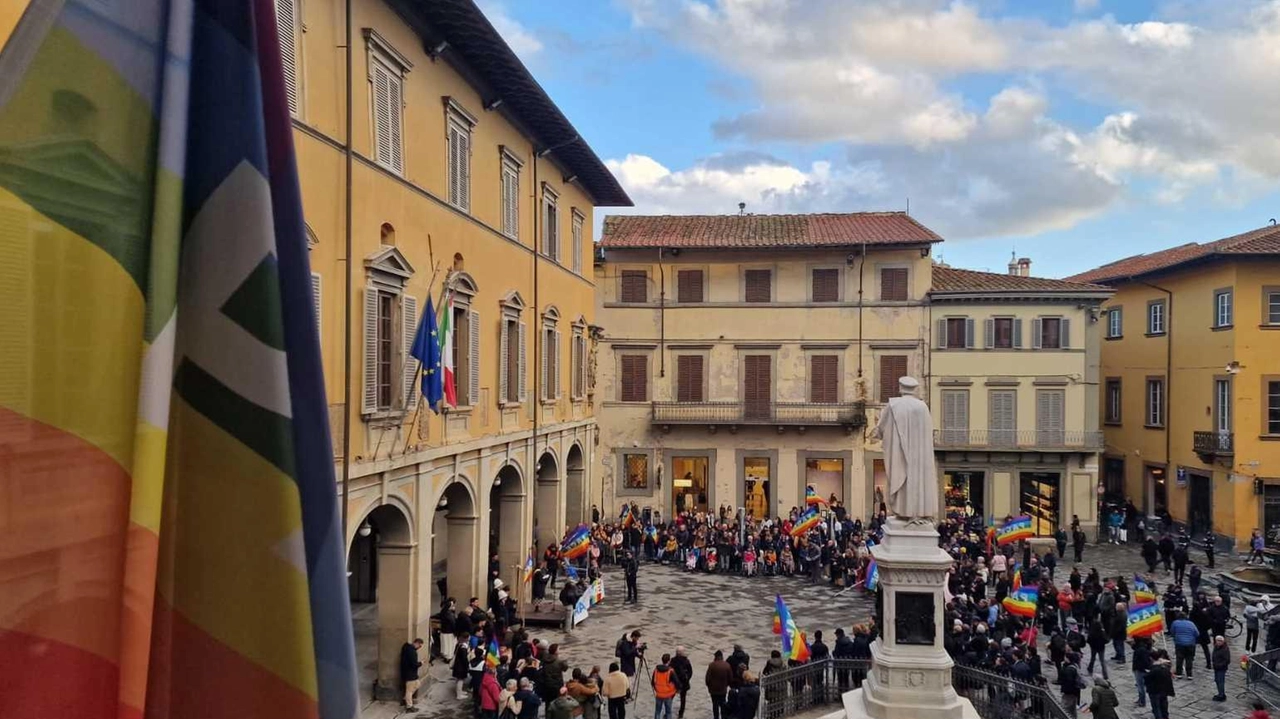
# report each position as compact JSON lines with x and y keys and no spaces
{"x":665,"y":687}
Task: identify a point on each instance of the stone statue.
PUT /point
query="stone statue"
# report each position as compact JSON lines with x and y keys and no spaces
{"x":906,"y":429}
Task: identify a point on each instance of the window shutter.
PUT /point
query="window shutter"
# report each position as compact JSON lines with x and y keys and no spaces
{"x":689,"y":378}
{"x":582,"y":366}
{"x":521,"y":384}
{"x":315,"y":300}
{"x":397,"y":117}
{"x":382,"y":113}
{"x":968,"y":333}
{"x":455,"y":193}
{"x":369,"y":401}
{"x":1035,"y":334}
{"x":1064,"y":333}
{"x":1017,"y":334}
{"x":473,"y":359}
{"x":689,"y":286}
{"x":635,"y":286}
{"x":826,"y":285}
{"x":824,"y":378}
{"x":464,"y":170}
{"x":941,"y":334}
{"x":504,"y":368}
{"x":287,"y":26}
{"x":988,"y":333}
{"x":544,"y":386}
{"x":758,"y":285}
{"x":409,"y":326}
{"x":893,"y":284}
{"x":558,"y":371}
{"x":577,"y":244}
{"x":892,"y":368}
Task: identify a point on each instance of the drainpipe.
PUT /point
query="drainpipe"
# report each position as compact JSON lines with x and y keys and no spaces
{"x":862,"y":266}
{"x":662,"y":318}
{"x":537,"y":343}
{"x":1168,"y":377}
{"x":346,"y":323}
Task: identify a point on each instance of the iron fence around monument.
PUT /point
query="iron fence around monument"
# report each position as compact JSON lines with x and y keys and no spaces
{"x":811,"y":686}
{"x":1261,"y":681}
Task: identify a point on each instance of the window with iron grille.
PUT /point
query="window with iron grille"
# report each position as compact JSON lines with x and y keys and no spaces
{"x":635,"y":286}
{"x":633,"y":380}
{"x":826,"y":284}
{"x":893,"y":284}
{"x":635,"y":471}
{"x":690,"y":286}
{"x":758,"y":285}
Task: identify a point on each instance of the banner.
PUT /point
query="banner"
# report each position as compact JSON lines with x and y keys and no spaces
{"x":593,"y":595}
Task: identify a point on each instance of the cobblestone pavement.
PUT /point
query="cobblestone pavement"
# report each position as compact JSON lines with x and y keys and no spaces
{"x":709,"y":612}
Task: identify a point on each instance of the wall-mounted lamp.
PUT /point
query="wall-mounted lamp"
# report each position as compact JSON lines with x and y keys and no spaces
{"x":365,"y":530}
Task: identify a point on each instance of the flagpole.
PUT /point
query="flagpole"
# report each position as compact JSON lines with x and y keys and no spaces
{"x":417,"y":375}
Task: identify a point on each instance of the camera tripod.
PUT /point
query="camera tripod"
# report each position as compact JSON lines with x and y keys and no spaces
{"x":642,"y":670}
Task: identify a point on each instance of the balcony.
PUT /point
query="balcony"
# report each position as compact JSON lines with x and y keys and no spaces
{"x":1213,"y":444}
{"x":850,"y":415}
{"x":1023,"y":439}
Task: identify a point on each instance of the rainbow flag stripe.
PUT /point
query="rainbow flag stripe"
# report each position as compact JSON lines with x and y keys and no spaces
{"x":528,"y":569}
{"x":1023,"y":602}
{"x":626,"y":518}
{"x":491,"y":656}
{"x":794,"y":645}
{"x":1143,"y":595}
{"x":577,"y":543}
{"x":873,"y":576}
{"x":163,"y":398}
{"x":1145,"y":621}
{"x":811,"y":497}
{"x":806,"y":522}
{"x":1015,"y":529}
{"x":777,"y":622}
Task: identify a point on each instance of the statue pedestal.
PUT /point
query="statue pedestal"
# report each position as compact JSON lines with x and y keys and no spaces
{"x":910,"y":675}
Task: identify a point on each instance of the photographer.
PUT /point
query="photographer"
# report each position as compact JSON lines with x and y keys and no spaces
{"x":627,"y":651}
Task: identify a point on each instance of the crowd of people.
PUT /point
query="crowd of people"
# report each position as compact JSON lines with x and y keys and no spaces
{"x":511,"y":675}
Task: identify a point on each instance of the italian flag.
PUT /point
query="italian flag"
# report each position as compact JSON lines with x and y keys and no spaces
{"x":446,"y":355}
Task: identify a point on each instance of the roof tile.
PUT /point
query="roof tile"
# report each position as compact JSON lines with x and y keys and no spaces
{"x":759,"y":231}
{"x":952,"y":279}
{"x":1262,"y":241}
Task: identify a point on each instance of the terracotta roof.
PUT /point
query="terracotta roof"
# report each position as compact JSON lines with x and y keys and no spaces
{"x":747,"y":231}
{"x":1262,"y":241}
{"x":951,"y":279}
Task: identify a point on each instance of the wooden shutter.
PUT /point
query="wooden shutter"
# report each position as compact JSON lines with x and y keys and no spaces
{"x":893,"y":284}
{"x":955,"y":416}
{"x":577,"y":244}
{"x":473,"y":358}
{"x":409,"y":327}
{"x":315,"y":300}
{"x":635,"y":378}
{"x":689,"y":378}
{"x":635,"y":286}
{"x":544,"y":386}
{"x":757,"y":385}
{"x":523,"y":390}
{"x":968,"y":333}
{"x":824,"y":378}
{"x":382,"y":114}
{"x":396,"y":101}
{"x":582,"y":366}
{"x":369,"y":395}
{"x":464,"y":169}
{"x":287,"y":27}
{"x":1049,"y":420}
{"x":504,"y":362}
{"x":455,"y":164}
{"x":759,"y":285}
{"x":988,"y":333}
{"x":1002,"y":420}
{"x":940,"y":334}
{"x":1064,"y":333}
{"x":892,"y":368}
{"x":826,"y":285}
{"x":556,"y":370}
{"x":1017,"y":334}
{"x":689,"y":286}
{"x":1035,"y":333}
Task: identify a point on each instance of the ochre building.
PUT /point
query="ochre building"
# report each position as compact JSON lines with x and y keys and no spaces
{"x":1190,"y":387}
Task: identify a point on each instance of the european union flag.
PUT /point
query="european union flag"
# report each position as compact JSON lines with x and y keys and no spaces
{"x":426,"y":349}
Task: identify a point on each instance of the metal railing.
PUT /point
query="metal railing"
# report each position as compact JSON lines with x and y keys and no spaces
{"x":996,"y":695}
{"x":850,"y":414}
{"x":1213,"y":442}
{"x":1260,"y":678}
{"x":797,"y":689}
{"x":1017,"y":439}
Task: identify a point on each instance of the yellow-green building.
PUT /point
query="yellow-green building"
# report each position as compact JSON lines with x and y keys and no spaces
{"x":1014,"y":393}
{"x":1190,"y":391}
{"x":457,"y":176}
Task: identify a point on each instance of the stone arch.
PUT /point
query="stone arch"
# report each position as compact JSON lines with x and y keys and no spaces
{"x":455,"y":541}
{"x":380,"y":580}
{"x":506,"y":524}
{"x":547,"y":487}
{"x":575,"y":488}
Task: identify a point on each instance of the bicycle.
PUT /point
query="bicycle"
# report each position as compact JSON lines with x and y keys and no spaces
{"x":1235,"y":627}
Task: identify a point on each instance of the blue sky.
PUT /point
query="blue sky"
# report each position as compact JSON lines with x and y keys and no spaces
{"x":1072,"y":131}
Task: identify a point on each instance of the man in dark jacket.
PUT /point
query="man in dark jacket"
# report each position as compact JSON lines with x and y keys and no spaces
{"x":1159,"y":683}
{"x":409,"y":665}
{"x":627,"y":650}
{"x":1221,"y":661}
{"x":749,"y":696}
{"x":1119,"y":631}
{"x":1069,"y":681}
{"x":1166,"y":552}
{"x":738,"y":662}
{"x":719,"y":675}
{"x":1179,"y":564}
{"x":631,"y":570}
{"x":843,"y":650}
{"x":684,"y":674}
{"x":1141,"y":665}
{"x":1077,"y":544}
{"x":552,"y":679}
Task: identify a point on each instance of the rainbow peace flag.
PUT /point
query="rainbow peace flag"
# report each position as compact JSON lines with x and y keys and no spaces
{"x":651,"y":532}
{"x":1145,"y":621}
{"x":806,"y":522}
{"x":1023,"y":602}
{"x":1017,"y":580}
{"x":162,"y":407}
{"x":570,"y":572}
{"x":627,"y":517}
{"x":777,"y":622}
{"x":491,"y":656}
{"x":812,"y":498}
{"x":873,"y":576}
{"x":576,"y":543}
{"x":1014,"y":530}
{"x":528,"y":569}
{"x":1143,"y":595}
{"x":794,"y":645}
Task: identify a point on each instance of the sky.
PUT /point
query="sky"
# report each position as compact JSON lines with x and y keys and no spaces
{"x":1074,"y":132}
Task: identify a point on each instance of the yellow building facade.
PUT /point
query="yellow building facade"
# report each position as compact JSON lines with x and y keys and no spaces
{"x":459,"y":182}
{"x":1013,"y":390}
{"x":1190,"y":390}
{"x":742,"y":356}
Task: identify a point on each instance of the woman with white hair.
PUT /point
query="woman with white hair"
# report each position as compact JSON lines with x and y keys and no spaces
{"x":508,"y":705}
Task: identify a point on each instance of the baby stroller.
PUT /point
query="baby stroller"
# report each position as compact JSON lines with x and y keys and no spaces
{"x":691,"y":560}
{"x":770,"y":562}
{"x":711,"y":559}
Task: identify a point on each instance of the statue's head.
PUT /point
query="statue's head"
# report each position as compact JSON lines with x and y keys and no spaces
{"x":908,"y":386}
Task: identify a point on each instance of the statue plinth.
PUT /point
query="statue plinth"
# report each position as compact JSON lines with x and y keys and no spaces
{"x":910,"y":675}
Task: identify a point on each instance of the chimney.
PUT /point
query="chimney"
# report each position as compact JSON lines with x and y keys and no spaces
{"x":1024,"y":266}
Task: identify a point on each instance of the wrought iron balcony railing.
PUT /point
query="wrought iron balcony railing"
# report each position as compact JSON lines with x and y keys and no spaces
{"x":1017,"y":439}
{"x":849,"y":414}
{"x":1213,"y":443}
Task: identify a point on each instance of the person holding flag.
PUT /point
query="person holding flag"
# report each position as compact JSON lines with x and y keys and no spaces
{"x":812,"y":498}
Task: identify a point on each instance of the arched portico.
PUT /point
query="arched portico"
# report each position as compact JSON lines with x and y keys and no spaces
{"x":380,"y":581}
{"x":547,"y":524}
{"x":575,"y":486}
{"x":506,"y":515}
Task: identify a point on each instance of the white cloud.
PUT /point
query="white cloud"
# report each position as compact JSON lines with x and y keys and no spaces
{"x":523,"y":42}
{"x":1086,"y":5}
{"x":1158,"y":34}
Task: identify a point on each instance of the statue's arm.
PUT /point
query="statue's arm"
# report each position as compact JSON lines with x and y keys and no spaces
{"x":878,"y":431}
